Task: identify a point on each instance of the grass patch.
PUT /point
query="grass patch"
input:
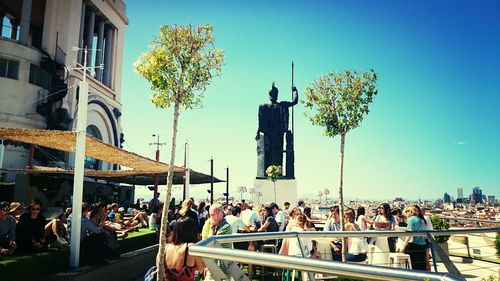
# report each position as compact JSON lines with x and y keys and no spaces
{"x":32,"y":267}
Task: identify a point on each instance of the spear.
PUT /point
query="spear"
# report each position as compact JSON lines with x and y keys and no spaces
{"x":292,"y":97}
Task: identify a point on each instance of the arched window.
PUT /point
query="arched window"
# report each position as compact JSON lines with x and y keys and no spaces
{"x":92,"y":163}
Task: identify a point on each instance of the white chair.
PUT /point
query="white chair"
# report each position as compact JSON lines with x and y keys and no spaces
{"x":380,"y":252}
{"x":323,"y":246}
{"x":369,"y":255}
{"x":399,"y":260}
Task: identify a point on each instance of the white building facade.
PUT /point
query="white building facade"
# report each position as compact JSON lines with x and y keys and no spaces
{"x":38,"y":86}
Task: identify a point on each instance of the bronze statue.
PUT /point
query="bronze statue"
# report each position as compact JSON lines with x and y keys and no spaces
{"x":273,"y":124}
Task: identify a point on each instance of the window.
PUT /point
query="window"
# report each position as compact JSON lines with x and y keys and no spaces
{"x":39,"y":77}
{"x":92,"y":163}
{"x":9,"y":68}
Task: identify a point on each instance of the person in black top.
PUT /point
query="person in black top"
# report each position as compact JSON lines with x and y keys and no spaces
{"x":187,"y":210}
{"x":30,"y":229}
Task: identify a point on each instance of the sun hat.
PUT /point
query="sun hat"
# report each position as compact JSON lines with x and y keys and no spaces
{"x":14,"y":206}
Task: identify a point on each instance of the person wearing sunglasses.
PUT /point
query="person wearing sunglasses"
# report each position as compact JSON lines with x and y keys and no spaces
{"x":30,"y":230}
{"x":7,"y":230}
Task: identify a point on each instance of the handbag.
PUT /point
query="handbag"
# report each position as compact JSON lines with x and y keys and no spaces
{"x":151,"y":274}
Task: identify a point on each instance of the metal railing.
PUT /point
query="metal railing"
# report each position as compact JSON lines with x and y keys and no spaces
{"x":209,"y":249}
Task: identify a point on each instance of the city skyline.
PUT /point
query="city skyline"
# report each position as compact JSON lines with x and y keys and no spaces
{"x":432,"y":129}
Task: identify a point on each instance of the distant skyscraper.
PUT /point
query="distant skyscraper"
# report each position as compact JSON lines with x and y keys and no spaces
{"x":477,"y":195}
{"x":460,"y":193}
{"x":491,"y":199}
{"x":446,"y":198}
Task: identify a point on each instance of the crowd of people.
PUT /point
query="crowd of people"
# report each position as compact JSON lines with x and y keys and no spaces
{"x":27,"y":230}
{"x":190,"y":223}
{"x":101,"y":225}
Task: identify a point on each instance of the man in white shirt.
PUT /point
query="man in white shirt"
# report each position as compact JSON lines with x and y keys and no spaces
{"x":301,"y":205}
{"x":333,"y":224}
{"x":279,"y":216}
{"x":250,"y":217}
{"x":235,"y":221}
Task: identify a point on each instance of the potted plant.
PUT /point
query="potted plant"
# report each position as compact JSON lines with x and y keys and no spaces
{"x":274,"y":173}
{"x":439,"y":224}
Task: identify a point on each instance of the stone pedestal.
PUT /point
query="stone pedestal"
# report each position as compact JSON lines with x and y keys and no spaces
{"x":286,"y":191}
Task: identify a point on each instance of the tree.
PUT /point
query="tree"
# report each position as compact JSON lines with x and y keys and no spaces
{"x":338,"y":102}
{"x":326,"y":192}
{"x":320,"y":194}
{"x":180,"y":64}
{"x":274,"y":173}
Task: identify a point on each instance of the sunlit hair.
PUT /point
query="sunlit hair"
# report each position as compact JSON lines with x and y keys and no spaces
{"x":185,"y":231}
{"x":349,"y":215}
{"x":186,"y":205}
{"x":410,"y":210}
{"x":296,"y":211}
{"x":387,"y":211}
{"x":334,"y":209}
{"x":259,"y":208}
{"x":216,"y":206}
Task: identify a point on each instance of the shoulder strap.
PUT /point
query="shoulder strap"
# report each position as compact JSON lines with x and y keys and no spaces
{"x":185,"y":255}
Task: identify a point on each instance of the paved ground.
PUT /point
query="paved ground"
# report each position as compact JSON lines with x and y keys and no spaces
{"x":474,"y":271}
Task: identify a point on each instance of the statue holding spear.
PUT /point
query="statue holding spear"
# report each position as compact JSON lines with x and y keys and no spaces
{"x":273,"y":124}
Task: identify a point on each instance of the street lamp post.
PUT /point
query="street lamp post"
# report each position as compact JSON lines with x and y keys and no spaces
{"x":158,"y":144}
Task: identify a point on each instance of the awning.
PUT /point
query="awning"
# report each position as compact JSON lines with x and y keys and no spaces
{"x":134,"y":177}
{"x":142,"y":169}
{"x":66,"y":141}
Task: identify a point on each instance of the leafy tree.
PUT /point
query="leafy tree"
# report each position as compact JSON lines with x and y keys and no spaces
{"x":180,"y":64}
{"x":274,"y":173}
{"x":439,"y":224}
{"x":338,"y":102}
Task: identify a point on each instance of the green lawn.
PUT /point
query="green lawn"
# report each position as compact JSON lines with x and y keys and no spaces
{"x":31,"y":267}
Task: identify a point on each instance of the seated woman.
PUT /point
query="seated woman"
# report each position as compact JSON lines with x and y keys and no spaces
{"x":7,"y":230}
{"x":292,"y":221}
{"x":30,"y":232}
{"x":56,"y":228}
{"x":179,"y":264}
{"x":97,"y":241}
{"x":268,"y":224}
{"x":357,"y":246}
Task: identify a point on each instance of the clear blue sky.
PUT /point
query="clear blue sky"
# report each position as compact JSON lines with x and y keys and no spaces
{"x":434,"y":127}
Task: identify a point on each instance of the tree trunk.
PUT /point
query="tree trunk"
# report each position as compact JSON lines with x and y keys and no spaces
{"x":274,"y":183}
{"x":341,"y":194}
{"x":160,"y":259}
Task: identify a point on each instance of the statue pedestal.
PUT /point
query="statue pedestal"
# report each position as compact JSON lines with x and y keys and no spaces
{"x":286,"y":191}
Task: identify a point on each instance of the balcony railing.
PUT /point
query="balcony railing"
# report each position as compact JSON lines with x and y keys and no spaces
{"x":209,"y":249}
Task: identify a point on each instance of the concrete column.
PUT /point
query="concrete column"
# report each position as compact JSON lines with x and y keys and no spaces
{"x":108,"y":53}
{"x":24,"y":33}
{"x":80,"y":38}
{"x":13,"y":31}
{"x":90,"y":35}
{"x":99,"y":52}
